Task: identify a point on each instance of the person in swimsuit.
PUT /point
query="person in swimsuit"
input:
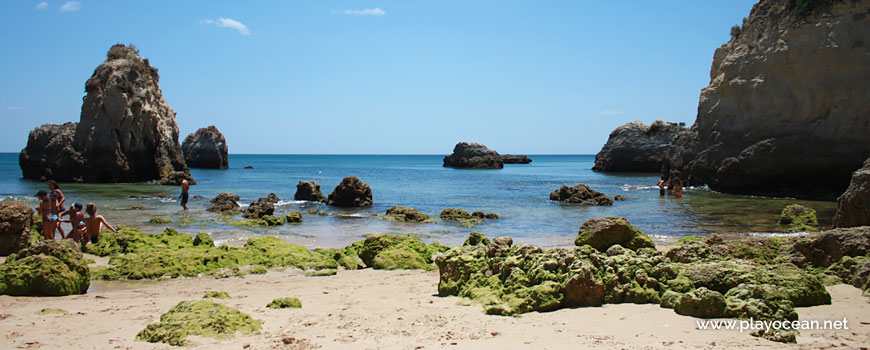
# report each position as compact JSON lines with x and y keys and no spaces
{"x":678,"y":188}
{"x":185,"y":186}
{"x":94,"y":224}
{"x":54,"y":218}
{"x":661,"y":186}
{"x":53,"y":187}
{"x":44,"y":210}
{"x":77,"y":219}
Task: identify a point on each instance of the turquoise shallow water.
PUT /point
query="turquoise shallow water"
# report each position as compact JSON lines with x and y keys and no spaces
{"x":518,"y":193}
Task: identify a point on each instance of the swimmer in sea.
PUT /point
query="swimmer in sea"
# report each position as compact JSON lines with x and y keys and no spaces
{"x":94,"y":224}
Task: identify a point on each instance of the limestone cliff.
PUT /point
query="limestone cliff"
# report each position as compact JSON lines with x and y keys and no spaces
{"x":127,"y":132}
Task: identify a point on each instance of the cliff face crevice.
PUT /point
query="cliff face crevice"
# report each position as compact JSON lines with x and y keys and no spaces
{"x":126,"y":132}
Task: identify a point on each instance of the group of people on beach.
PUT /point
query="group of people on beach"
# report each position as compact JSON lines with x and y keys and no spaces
{"x":672,"y":186}
{"x":52,"y":210}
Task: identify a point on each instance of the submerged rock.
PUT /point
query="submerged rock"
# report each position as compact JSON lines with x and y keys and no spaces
{"x":601,"y":233}
{"x":198,"y":317}
{"x":309,"y":191}
{"x":16,"y":224}
{"x":225,"y":202}
{"x":351,"y":192}
{"x":127,"y":132}
{"x":405,"y":214}
{"x":206,"y":148}
{"x":580,"y":194}
{"x":637,"y":147}
{"x":799,"y":218}
{"x":515,"y":159}
{"x":853,"y":206}
{"x":47,"y":268}
{"x":473,"y":156}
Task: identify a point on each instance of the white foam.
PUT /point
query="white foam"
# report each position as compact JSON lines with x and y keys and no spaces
{"x":283,"y":202}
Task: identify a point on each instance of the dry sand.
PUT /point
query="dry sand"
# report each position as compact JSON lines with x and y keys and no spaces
{"x":369,"y":309}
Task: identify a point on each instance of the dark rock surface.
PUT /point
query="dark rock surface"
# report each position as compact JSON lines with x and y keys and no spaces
{"x":351,"y":192}
{"x":264,"y":206}
{"x":473,"y":156}
{"x":126,"y":133}
{"x":515,"y":159}
{"x":637,"y":147}
{"x":15,"y":222}
{"x":580,"y":194}
{"x":206,"y":148}
{"x":225,"y":202}
{"x":308,"y":191}
{"x":853,"y":206}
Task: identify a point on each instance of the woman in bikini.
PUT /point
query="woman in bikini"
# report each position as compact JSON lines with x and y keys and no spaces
{"x":54,"y":217}
{"x":44,"y":210}
{"x":678,"y":188}
{"x":94,"y":224}
{"x":61,"y":199}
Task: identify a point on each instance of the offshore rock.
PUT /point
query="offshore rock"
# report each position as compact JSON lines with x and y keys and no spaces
{"x":580,"y":194}
{"x":473,"y":156}
{"x":515,"y":159}
{"x":264,"y":206}
{"x":126,"y":133}
{"x":206,"y":148}
{"x":853,"y":206}
{"x":637,"y":147}
{"x":308,"y":191}
{"x":351,"y":192}
{"x":225,"y":202}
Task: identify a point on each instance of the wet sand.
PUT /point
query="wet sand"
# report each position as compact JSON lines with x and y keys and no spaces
{"x":372,"y":309}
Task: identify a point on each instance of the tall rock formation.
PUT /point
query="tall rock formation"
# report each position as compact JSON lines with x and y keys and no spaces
{"x":127,"y":132}
{"x":786,"y":111}
{"x":206,"y":149}
{"x":637,"y":147}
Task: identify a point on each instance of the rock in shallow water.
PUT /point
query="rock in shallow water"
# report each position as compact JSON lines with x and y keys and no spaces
{"x":580,"y":194}
{"x":309,"y":191}
{"x":799,"y":218}
{"x":515,"y":159}
{"x":206,"y":148}
{"x":351,"y":192}
{"x":473,"y":156}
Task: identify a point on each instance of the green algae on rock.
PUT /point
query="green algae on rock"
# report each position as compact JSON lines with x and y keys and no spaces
{"x":601,"y":233}
{"x":47,"y":268}
{"x":799,"y":218}
{"x":294,"y":217}
{"x":199,"y":317}
{"x":159,"y":220}
{"x":216,"y":295}
{"x":391,"y":252}
{"x":52,"y":311}
{"x":476,"y":238}
{"x":285,"y":303}
{"x":203,"y":239}
{"x":701,"y":302}
{"x":400,"y":213}
{"x":321,"y":273}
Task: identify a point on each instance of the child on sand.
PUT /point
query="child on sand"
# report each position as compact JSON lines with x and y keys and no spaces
{"x":77,"y":219}
{"x":94,"y":224}
{"x":54,"y":217}
{"x":44,"y":210}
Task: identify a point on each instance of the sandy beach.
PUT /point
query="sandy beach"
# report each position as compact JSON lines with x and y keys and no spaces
{"x":375,"y":309}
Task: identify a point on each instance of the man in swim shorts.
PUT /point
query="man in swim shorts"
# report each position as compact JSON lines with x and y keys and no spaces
{"x":185,"y":186}
{"x":94,"y":224}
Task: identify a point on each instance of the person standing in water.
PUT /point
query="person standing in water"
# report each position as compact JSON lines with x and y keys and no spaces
{"x":185,"y":186}
{"x":661,"y":186}
{"x":678,"y":187}
{"x":94,"y":224}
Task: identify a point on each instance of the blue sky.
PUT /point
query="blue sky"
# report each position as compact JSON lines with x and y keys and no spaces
{"x":375,"y":77}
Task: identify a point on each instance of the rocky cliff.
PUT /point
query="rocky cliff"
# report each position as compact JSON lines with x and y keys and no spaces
{"x":127,"y":132}
{"x":637,"y":147}
{"x":206,"y":148}
{"x":786,"y":110}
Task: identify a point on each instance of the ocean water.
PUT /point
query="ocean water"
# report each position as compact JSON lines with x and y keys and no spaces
{"x":519,"y":193}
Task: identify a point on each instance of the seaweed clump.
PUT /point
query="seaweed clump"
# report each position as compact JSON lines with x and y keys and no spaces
{"x":799,"y":218}
{"x":46,"y":268}
{"x":285,"y":303}
{"x":199,"y":317}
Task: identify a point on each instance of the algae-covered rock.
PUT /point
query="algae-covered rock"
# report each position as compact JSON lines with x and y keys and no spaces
{"x":764,"y":250}
{"x":601,"y":233}
{"x":853,"y":270}
{"x":203,"y":239}
{"x":159,"y":220}
{"x":392,"y":252}
{"x":822,"y":249}
{"x":670,"y":299}
{"x":285,"y":303}
{"x":216,"y":295}
{"x":200,"y":317}
{"x":701,"y":302}
{"x":476,"y":238}
{"x":461,"y":216}
{"x":225,"y":202}
{"x":799,"y":218}
{"x":52,"y":311}
{"x":46,"y":268}
{"x":321,"y":273}
{"x":294,"y":217}
{"x":759,"y":302}
{"x":130,"y":240}
{"x":580,"y":194}
{"x":264,"y":206}
{"x":405,"y":214}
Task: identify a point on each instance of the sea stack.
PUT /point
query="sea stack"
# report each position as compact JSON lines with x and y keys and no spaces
{"x":471,"y":155}
{"x":206,"y":148}
{"x":351,"y":192}
{"x":126,"y":132}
